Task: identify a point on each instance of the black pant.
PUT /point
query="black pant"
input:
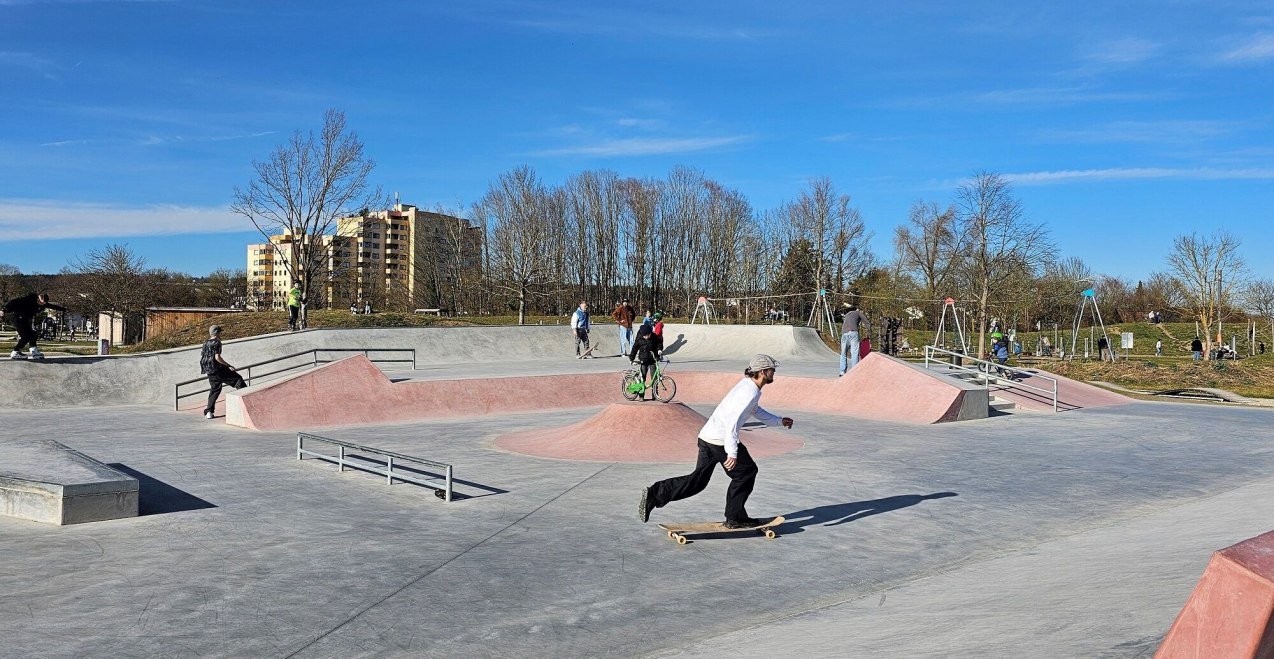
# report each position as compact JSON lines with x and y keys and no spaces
{"x":292,"y":314}
{"x":742,"y":478}
{"x":27,"y":335}
{"x":581,"y":336}
{"x":218,"y":380}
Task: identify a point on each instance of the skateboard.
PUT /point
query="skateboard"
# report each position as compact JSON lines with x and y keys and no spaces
{"x":588,"y":354}
{"x":677,"y":532}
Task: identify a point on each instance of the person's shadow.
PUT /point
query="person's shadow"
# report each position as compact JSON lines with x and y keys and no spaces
{"x":675,"y":345}
{"x":844,"y":513}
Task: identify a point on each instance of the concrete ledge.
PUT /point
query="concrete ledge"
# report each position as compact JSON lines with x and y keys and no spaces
{"x":46,"y":481}
{"x":1231,"y":611}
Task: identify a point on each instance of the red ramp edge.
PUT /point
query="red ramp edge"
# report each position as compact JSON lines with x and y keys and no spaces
{"x":1229,"y":614}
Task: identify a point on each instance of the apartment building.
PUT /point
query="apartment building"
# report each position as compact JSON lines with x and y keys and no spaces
{"x":399,"y":258}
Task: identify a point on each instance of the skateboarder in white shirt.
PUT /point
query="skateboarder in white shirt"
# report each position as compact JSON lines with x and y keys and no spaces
{"x":719,"y":443}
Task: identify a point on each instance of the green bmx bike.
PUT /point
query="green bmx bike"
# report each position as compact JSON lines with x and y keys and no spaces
{"x":664,"y":387}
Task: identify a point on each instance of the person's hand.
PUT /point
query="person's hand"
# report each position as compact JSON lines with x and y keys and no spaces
{"x":787,"y":422}
{"x":729,"y":464}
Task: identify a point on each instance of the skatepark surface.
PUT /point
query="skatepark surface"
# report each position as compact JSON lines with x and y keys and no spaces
{"x":1028,"y":534}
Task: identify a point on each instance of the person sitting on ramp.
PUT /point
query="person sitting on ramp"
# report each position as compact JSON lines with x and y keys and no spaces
{"x":719,"y":443}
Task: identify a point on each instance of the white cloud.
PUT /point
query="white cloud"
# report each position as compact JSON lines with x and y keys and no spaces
{"x":1259,"y":47}
{"x":1127,"y":173}
{"x":643,"y":124}
{"x":1171,"y":131}
{"x":1130,"y":50}
{"x":31,"y":62}
{"x":646,"y":146}
{"x":25,"y":219}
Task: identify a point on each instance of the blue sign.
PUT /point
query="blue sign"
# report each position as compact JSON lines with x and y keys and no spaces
{"x":1088,"y":293}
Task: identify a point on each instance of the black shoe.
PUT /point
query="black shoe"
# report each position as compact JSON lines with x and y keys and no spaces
{"x":745,"y":523}
{"x":645,"y":505}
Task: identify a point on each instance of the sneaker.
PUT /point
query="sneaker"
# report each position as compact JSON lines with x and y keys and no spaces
{"x":17,"y":355}
{"x":36,"y":354}
{"x":745,"y":523}
{"x":645,"y":505}
{"x":207,"y":415}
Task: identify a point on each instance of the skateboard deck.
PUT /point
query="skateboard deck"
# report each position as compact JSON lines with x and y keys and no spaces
{"x":589,"y":353}
{"x":677,"y":532}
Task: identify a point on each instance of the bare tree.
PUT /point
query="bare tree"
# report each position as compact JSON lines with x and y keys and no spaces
{"x":1000,"y":240}
{"x":928,"y":247}
{"x":1206,"y":269}
{"x":9,"y":277}
{"x":1258,"y":298}
{"x":524,"y":226}
{"x":115,"y":279}
{"x":302,"y":189}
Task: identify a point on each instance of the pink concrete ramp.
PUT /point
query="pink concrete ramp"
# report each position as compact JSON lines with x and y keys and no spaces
{"x":637,"y":432}
{"x":1231,"y":612}
{"x":1071,"y":395}
{"x":353,"y":391}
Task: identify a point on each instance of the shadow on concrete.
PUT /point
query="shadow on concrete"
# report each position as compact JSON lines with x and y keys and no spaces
{"x":155,"y":497}
{"x":675,"y":345}
{"x":844,"y":513}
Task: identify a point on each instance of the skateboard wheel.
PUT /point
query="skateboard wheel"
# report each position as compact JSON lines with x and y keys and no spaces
{"x":681,"y":539}
{"x":770,"y":534}
{"x":672,"y":536}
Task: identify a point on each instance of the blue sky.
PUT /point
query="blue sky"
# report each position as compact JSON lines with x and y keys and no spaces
{"x":1121,"y":124}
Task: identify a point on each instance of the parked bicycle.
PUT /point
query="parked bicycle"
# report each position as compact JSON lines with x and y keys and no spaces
{"x":635,"y":387}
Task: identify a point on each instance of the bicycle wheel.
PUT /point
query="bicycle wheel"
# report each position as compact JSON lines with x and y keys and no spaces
{"x":631,"y":386}
{"x":665,"y":389}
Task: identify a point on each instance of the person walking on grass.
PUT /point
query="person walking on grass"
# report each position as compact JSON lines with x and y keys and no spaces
{"x":1159,"y":348}
{"x":580,"y":325}
{"x":22,"y":313}
{"x":294,"y":306}
{"x":719,"y":444}
{"x":623,"y":315}
{"x":218,"y":370}
{"x":1196,"y":348}
{"x":850,"y":339}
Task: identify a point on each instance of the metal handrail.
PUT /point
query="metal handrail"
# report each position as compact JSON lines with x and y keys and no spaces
{"x":390,"y":475}
{"x":313,"y":362}
{"x":986,"y":379}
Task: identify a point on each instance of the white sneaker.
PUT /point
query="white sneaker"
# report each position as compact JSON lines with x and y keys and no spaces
{"x":17,"y":355}
{"x":207,"y":415}
{"x":36,"y":354}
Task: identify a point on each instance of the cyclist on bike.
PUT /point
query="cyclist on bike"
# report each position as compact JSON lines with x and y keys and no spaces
{"x":647,"y":351}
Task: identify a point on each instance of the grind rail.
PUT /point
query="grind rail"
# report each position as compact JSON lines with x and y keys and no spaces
{"x":343,"y":459}
{"x":984,"y":369}
{"x":312,"y":361}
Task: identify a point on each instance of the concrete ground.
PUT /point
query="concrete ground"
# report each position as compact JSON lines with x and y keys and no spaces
{"x":1077,"y":534}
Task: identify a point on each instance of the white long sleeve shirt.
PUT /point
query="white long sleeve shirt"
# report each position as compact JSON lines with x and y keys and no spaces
{"x":722,"y":428}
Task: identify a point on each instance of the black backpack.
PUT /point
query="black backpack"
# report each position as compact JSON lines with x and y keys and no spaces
{"x":208,"y":358}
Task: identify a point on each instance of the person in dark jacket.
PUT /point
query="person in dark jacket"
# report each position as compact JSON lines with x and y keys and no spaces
{"x":22,"y":311}
{"x":218,"y":370}
{"x":647,"y":350}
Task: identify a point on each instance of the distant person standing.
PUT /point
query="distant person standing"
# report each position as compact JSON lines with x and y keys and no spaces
{"x":623,"y":315}
{"x":294,"y":306}
{"x":1196,"y":348}
{"x":218,"y":370}
{"x":1103,"y":347}
{"x":580,"y":326}
{"x":850,"y":339}
{"x":367,"y":308}
{"x":353,"y":309}
{"x":22,"y":313}
{"x":1159,"y":348}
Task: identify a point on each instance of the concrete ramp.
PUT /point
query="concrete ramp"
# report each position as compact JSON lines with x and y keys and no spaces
{"x":47,"y":481}
{"x":637,"y":432}
{"x":352,"y":391}
{"x":741,"y":342}
{"x":1231,"y":612}
{"x":1071,"y":395}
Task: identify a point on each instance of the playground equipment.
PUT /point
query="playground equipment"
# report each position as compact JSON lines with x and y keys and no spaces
{"x":939,"y":339}
{"x":1086,"y":299}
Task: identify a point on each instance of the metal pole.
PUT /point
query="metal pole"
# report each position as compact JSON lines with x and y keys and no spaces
{"x":448,"y":483}
{"x":299,"y":445}
{"x":340,"y":464}
{"x":389,"y":470}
